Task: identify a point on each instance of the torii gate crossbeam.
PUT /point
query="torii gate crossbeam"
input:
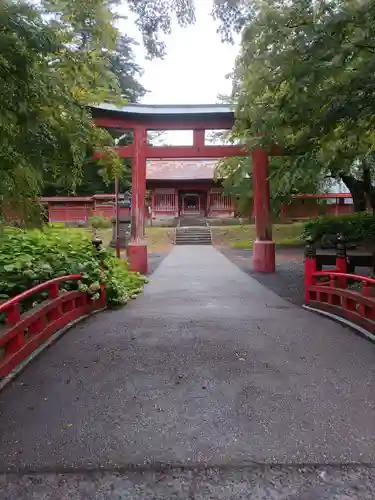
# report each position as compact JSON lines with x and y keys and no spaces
{"x":199,"y":118}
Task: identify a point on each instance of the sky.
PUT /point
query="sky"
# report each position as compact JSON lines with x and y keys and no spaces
{"x":194,"y":69}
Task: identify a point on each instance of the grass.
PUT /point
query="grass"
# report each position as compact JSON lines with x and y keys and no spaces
{"x":158,"y":239}
{"x":244,"y":236}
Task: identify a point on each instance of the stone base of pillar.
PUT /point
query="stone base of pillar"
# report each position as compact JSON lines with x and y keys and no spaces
{"x":137,"y":256}
{"x":264,"y":256}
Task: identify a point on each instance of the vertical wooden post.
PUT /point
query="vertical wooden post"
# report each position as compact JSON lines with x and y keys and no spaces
{"x":137,"y":249}
{"x":264,"y":247}
{"x":152,"y":203}
{"x":176,"y":202}
{"x":310,"y":268}
{"x":198,"y":138}
{"x":341,"y":264}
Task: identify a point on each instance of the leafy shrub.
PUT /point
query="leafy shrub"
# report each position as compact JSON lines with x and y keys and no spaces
{"x":100,"y":222}
{"x":356,"y":227}
{"x":28,"y":258}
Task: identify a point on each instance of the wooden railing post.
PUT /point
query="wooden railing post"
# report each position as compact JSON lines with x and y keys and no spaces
{"x":341,"y":262}
{"x":13,"y":314}
{"x":310,"y":267}
{"x":367,"y":291}
{"x":53,"y":291}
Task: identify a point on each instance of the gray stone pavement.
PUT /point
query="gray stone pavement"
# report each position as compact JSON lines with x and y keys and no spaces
{"x":208,"y":369}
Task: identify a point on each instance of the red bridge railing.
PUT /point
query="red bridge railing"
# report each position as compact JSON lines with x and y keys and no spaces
{"x":25,"y":332}
{"x":350,"y":296}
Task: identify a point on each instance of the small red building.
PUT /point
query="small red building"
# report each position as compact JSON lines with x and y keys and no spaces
{"x":78,"y":209}
{"x":307,"y":206}
{"x":186,"y":188}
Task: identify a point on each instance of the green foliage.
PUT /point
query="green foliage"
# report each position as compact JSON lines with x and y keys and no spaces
{"x":236,"y":175}
{"x":304,"y":81}
{"x":155,"y":18}
{"x":357,"y":227}
{"x":46,"y":80}
{"x":28,"y":258}
{"x":100,"y":222}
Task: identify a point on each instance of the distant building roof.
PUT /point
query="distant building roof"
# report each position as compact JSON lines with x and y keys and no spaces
{"x":180,"y":169}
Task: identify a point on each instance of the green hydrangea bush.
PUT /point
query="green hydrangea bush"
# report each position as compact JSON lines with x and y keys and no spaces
{"x":28,"y":258}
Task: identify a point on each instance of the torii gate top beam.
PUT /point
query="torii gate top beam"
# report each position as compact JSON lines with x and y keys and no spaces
{"x":165,"y":117}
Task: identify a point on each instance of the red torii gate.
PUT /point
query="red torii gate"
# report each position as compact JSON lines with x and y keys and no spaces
{"x":199,"y":118}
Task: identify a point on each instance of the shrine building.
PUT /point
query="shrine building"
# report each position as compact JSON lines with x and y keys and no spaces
{"x":186,"y":188}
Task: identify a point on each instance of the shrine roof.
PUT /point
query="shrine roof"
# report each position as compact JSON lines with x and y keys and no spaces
{"x":180,"y":169}
{"x":167,"y":109}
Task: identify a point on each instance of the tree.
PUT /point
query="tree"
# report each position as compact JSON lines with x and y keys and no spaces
{"x":232,"y":15}
{"x":45,"y":85}
{"x":155,"y":18}
{"x":304,"y":80}
{"x":123,"y":65}
{"x":56,"y":58}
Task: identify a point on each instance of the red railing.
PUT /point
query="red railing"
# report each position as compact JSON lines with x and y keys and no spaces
{"x":25,"y":332}
{"x":350,"y":296}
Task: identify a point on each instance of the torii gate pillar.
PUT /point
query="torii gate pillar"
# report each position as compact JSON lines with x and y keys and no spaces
{"x":264,"y":247}
{"x":137,"y":249}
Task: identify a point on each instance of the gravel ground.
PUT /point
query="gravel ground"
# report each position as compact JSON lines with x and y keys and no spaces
{"x":287,"y":282}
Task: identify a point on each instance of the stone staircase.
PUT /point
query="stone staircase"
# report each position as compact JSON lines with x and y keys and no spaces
{"x":191,"y":222}
{"x":193,"y":232}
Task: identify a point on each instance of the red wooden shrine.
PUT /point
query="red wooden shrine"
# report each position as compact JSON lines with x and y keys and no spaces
{"x":199,"y":118}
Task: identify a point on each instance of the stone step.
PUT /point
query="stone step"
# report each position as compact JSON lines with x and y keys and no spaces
{"x":194,"y":240}
{"x":198,"y":242}
{"x":193,"y":235}
{"x":198,"y":235}
{"x":192,"y":222}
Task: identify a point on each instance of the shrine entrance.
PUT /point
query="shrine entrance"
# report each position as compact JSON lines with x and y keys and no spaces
{"x":140,"y":119}
{"x":192,"y":203}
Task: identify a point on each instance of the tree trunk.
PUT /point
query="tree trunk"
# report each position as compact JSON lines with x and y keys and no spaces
{"x":357,"y":191}
{"x":368,"y":188}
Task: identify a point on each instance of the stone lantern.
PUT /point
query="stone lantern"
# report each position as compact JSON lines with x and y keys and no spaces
{"x":124,"y":222}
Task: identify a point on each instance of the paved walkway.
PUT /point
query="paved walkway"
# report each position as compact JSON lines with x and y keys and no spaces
{"x":207,"y":368}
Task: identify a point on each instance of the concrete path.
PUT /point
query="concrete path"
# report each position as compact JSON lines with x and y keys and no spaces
{"x":207,"y":369}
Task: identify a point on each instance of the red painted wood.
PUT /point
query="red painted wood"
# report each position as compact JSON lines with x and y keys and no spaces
{"x":264,"y":255}
{"x":176,"y":152}
{"x":310,"y":270}
{"x":261,"y":186}
{"x":334,"y":297}
{"x":206,"y":123}
{"x":24,"y":333}
{"x":185,"y":152}
{"x":137,"y":249}
{"x":198,"y":138}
